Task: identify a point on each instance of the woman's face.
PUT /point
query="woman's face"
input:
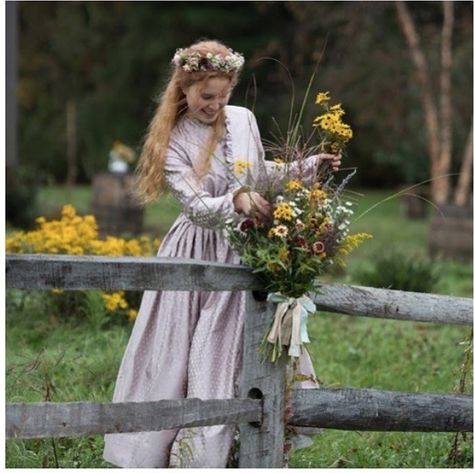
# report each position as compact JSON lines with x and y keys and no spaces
{"x":207,"y":98}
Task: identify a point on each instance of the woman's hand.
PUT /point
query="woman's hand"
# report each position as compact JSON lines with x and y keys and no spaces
{"x":334,"y":158}
{"x":253,"y":205}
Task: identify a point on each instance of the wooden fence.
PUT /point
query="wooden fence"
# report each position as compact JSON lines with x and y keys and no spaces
{"x":259,"y":411}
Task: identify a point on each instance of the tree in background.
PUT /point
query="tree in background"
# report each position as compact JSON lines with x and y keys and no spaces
{"x":109,"y":59}
{"x":438,"y":116}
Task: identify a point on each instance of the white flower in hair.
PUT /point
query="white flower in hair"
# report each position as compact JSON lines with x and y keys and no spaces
{"x":194,"y":61}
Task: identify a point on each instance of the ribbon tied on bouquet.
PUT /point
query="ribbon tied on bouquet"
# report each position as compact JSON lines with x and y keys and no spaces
{"x":290,"y":323}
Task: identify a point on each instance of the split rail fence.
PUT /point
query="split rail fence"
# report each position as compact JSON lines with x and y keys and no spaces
{"x":259,"y":411}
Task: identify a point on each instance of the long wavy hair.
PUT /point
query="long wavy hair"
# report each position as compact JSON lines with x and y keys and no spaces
{"x":171,"y":106}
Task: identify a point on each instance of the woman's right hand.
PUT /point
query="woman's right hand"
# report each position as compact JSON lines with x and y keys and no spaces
{"x":253,"y":205}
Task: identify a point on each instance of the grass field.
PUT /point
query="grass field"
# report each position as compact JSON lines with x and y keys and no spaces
{"x":65,"y":359}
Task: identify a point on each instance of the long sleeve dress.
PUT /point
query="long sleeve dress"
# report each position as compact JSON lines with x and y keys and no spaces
{"x":188,"y":344}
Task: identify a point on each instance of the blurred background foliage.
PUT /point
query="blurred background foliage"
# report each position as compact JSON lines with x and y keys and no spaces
{"x":110,"y":60}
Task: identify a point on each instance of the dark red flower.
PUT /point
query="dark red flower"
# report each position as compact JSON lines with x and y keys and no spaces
{"x":318,"y":247}
{"x":300,"y":242}
{"x":246,"y":225}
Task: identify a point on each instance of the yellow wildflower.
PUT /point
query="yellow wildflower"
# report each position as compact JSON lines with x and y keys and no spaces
{"x":322,"y":97}
{"x":132,"y":314}
{"x":318,"y":197}
{"x":350,"y":243}
{"x":283,"y":254}
{"x":294,"y":185}
{"x":337,"y":109}
{"x":284,"y":211}
{"x":68,"y":211}
{"x":132,"y":248}
{"x":241,"y":166}
{"x":114,"y":301}
{"x":331,"y":122}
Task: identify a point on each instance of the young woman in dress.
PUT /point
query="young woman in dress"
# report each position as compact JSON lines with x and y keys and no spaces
{"x":188,"y":344}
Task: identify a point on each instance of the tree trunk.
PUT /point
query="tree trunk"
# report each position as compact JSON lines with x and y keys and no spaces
{"x":463,"y":188}
{"x":446,"y":102}
{"x":71,"y":141}
{"x":439,"y":149}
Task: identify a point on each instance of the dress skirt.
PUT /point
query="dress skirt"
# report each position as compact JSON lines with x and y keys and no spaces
{"x":184,"y":344}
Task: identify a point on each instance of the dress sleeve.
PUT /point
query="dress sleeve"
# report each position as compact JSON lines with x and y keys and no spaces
{"x":198,"y":205}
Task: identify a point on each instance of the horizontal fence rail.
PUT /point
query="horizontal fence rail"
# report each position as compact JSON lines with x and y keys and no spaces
{"x":370,"y":409}
{"x":142,"y":273}
{"x":398,"y":305}
{"x":70,"y":419}
{"x":347,"y":409}
{"x":124,"y":273}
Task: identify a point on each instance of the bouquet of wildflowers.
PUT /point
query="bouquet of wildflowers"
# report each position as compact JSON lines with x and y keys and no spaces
{"x":309,"y":230}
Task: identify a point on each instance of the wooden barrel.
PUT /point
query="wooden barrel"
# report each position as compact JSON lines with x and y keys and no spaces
{"x":114,"y":205}
{"x":450,"y":233}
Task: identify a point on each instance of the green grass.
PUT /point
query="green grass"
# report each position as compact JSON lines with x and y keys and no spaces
{"x":391,"y":355}
{"x":58,"y":360}
{"x":48,"y":358}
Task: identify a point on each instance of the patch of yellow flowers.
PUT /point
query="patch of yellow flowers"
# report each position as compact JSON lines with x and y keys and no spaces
{"x":330,"y":123}
{"x":76,"y":235}
{"x":318,"y":197}
{"x":284,"y":211}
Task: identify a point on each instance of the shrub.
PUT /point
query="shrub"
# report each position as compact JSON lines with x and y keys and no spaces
{"x":76,"y":235}
{"x":399,"y":270}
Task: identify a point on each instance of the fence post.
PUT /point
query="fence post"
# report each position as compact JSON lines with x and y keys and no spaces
{"x":261,"y":445}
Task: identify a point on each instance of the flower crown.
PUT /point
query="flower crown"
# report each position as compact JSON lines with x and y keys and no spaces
{"x":196,"y":62}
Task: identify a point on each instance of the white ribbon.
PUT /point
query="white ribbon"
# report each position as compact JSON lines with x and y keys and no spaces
{"x":289,"y":326}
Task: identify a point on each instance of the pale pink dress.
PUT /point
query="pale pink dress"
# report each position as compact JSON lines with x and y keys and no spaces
{"x":189,"y":344}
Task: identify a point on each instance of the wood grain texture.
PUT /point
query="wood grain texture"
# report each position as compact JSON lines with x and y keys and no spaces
{"x":261,"y":446}
{"x":392,"y":304}
{"x":370,"y":409}
{"x":123,"y":273}
{"x":140,"y":273}
{"x":45,"y":419}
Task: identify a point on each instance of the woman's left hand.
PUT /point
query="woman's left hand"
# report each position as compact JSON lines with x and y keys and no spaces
{"x":334,"y":158}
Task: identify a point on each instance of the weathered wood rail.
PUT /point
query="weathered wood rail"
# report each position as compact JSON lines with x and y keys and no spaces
{"x":346,"y":409}
{"x":140,"y":273}
{"x":260,"y":409}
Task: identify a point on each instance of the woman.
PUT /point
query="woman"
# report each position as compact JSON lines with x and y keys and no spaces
{"x":188,"y":344}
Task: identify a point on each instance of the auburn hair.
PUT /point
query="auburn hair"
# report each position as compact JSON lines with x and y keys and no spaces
{"x":170,"y":108}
